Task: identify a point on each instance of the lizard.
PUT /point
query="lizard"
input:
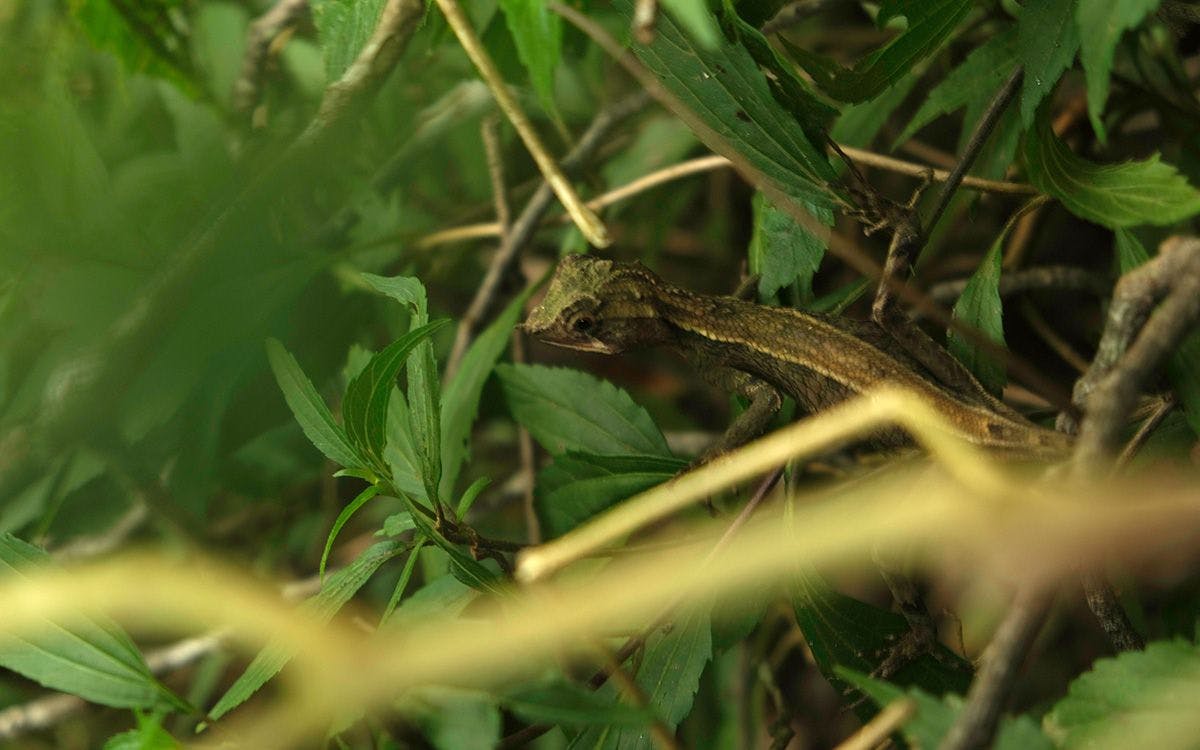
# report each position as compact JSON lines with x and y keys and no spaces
{"x":763,"y":353}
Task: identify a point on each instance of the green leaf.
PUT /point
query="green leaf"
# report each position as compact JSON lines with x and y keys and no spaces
{"x":149,"y":735}
{"x":930,"y":24}
{"x":577,"y":486}
{"x":1047,"y":39}
{"x":310,"y":410}
{"x":538,"y":36}
{"x":464,"y":567}
{"x":571,"y":410}
{"x":471,"y":495}
{"x":845,"y":633}
{"x":1183,"y":368}
{"x":347,"y":512}
{"x":934,"y":716}
{"x":1101,"y":23}
{"x":669,"y":676}
{"x":365,"y":406}
{"x":343,"y":28}
{"x":139,"y":53}
{"x":979,"y":306}
{"x":423,"y":387}
{"x":860,"y":123}
{"x":782,"y":250}
{"x":1137,"y":699}
{"x":337,"y":590}
{"x":398,"y":523}
{"x":974,"y":82}
{"x":458,"y":719}
{"x":724,"y":87}
{"x":86,"y":656}
{"x":460,"y":400}
{"x":693,"y":16}
{"x":1112,"y":195}
{"x":569,"y":704}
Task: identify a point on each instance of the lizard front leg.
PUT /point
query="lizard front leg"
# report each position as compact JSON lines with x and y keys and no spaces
{"x":765,"y":402}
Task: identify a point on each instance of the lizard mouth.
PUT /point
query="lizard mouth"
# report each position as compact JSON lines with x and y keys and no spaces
{"x":580,"y":344}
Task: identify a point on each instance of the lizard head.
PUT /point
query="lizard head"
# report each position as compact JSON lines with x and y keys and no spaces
{"x":598,"y":305}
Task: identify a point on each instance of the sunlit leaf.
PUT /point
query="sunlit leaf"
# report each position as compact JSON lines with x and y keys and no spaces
{"x":571,"y":410}
{"x":577,"y":486}
{"x":1112,"y":195}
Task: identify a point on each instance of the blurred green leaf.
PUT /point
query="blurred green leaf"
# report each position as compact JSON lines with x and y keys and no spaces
{"x":1101,"y":24}
{"x":457,"y":719}
{"x":1136,"y":699}
{"x":571,"y":705}
{"x":783,"y":251}
{"x":1112,"y":195}
{"x":365,"y":406}
{"x":930,"y":24}
{"x":82,"y":655}
{"x":1047,"y":39}
{"x":726,"y":89}
{"x":577,"y":486}
{"x":538,"y":36}
{"x":935,"y":716}
{"x":343,"y":27}
{"x":149,"y":735}
{"x":979,"y":306}
{"x":694,"y":17}
{"x":571,"y":410}
{"x":338,"y":589}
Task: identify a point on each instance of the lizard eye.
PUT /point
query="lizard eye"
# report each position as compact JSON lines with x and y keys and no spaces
{"x":583,"y":324}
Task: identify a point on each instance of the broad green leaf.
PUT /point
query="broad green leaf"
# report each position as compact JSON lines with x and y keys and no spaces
{"x":423,"y":397}
{"x":1145,"y":698}
{"x":460,"y":400}
{"x":930,"y":24}
{"x":139,"y":52}
{"x":845,"y":633}
{"x":400,"y":453}
{"x":976,"y":80}
{"x":347,"y":512}
{"x":538,"y":36}
{"x":724,"y":87}
{"x":336,"y":591}
{"x":669,"y":676}
{"x":979,"y":306}
{"x":577,"y":486}
{"x":1047,"y":39}
{"x":1183,"y":368}
{"x":1101,"y":23}
{"x":310,"y":410}
{"x":343,"y":27}
{"x":571,"y":410}
{"x":83,"y":655}
{"x":935,"y":716}
{"x":788,"y":88}
{"x":365,"y":406}
{"x":783,"y":251}
{"x":1112,"y":195}
{"x":569,"y":704}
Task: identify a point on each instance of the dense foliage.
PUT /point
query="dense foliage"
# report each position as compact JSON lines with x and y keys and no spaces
{"x":261,"y":267}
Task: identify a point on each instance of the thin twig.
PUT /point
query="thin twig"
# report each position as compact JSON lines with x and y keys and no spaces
{"x":260,"y":38}
{"x":645,"y":15}
{"x":983,"y":129}
{"x":993,"y":684}
{"x":588,"y":222}
{"x":1058,"y":278}
{"x":1160,"y":412}
{"x":489,"y":131}
{"x":528,"y":221}
{"x":913,"y":169}
{"x":1057,"y":343}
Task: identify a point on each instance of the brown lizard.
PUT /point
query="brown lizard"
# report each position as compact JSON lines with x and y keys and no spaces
{"x":764,"y":352}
